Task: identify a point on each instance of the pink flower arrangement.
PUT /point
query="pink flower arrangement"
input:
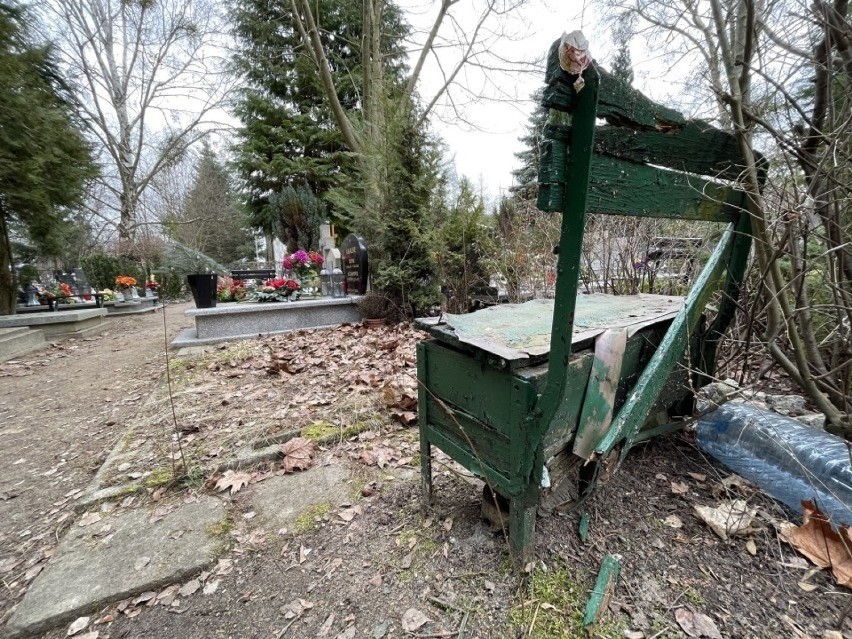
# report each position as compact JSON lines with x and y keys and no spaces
{"x":277,"y":290}
{"x":302,"y":262}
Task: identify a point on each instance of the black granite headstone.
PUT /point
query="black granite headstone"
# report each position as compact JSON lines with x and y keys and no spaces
{"x":353,"y":251}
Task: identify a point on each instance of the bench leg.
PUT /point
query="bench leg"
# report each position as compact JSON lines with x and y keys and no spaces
{"x":522,"y":531}
{"x":426,"y":470}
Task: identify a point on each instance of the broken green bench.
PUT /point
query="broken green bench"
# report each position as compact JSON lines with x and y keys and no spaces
{"x":539,"y":398}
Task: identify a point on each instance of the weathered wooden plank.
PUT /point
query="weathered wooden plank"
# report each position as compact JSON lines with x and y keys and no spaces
{"x":567,"y":415}
{"x":653,"y":379}
{"x":696,"y":147}
{"x":599,"y":401}
{"x":488,"y":394}
{"x":618,"y":101}
{"x":618,"y":187}
{"x":485,"y":444}
{"x":603,"y":590}
{"x":423,"y":424}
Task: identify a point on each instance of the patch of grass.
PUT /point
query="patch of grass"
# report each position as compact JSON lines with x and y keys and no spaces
{"x":694,"y":596}
{"x":193,"y":478}
{"x":308,"y":519}
{"x":221,"y":528}
{"x":323,"y":432}
{"x":158,"y":477}
{"x":554,"y":605}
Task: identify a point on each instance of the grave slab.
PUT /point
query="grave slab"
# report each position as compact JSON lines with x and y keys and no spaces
{"x":280,"y":500}
{"x":60,"y":325}
{"x":235,"y":321}
{"x":94,"y":566}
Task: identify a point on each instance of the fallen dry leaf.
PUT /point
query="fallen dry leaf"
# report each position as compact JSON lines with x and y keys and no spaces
{"x":696,"y":624}
{"x":79,"y":624}
{"x":89,"y":518}
{"x":673,"y":521}
{"x":189,"y":588}
{"x":298,"y":453}
{"x":751,"y":547}
{"x":326,"y":626}
{"x":727,"y":520}
{"x":413,"y":619}
{"x":679,"y":488}
{"x":807,"y":586}
{"x":698,"y":476}
{"x":233,"y":480}
{"x":820,"y":543}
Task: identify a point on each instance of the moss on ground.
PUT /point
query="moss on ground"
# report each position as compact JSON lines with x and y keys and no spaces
{"x":554,"y":606}
{"x":221,"y":528}
{"x":309,"y":519}
{"x":159,"y":477}
{"x":323,"y":432}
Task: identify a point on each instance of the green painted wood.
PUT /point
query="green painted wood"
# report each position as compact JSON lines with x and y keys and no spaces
{"x":522,"y":514}
{"x":488,"y":394}
{"x":653,"y":378}
{"x":603,"y":590}
{"x":583,"y":528}
{"x":599,"y":400}
{"x":566,"y":417}
{"x":618,"y":187}
{"x":557,"y":392}
{"x":423,"y":423}
{"x":618,"y":100}
{"x":497,"y":478}
{"x":486,"y":444}
{"x":697,"y":147}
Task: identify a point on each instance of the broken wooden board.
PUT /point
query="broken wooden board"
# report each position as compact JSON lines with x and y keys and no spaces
{"x":603,"y":590}
{"x":521,"y":331}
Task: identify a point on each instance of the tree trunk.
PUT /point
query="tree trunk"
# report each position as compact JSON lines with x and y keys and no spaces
{"x":8,"y":284}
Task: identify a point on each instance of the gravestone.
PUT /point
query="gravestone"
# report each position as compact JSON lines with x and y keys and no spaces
{"x":76,"y":280}
{"x":354,"y":252}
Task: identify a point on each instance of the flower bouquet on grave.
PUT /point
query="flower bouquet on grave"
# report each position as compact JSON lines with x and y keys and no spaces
{"x":278,"y":290}
{"x":230,"y":290}
{"x":304,"y":266}
{"x":125,"y":285}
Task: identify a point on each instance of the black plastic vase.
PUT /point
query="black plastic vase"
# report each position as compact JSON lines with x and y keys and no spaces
{"x":203,"y":288}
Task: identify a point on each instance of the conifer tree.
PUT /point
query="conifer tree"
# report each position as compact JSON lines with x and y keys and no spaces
{"x":44,"y":160}
{"x":526,"y":177}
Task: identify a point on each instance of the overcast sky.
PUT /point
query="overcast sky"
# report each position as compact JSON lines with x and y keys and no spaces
{"x":486,"y":154}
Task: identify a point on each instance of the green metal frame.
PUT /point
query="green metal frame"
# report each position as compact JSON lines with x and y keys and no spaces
{"x":499,"y":424}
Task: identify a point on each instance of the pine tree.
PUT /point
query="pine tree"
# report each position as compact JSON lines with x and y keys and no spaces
{"x":622,"y":67}
{"x":526,"y":177}
{"x":299,"y":214}
{"x":44,"y":160}
{"x":210,"y":220}
{"x":288,"y":136}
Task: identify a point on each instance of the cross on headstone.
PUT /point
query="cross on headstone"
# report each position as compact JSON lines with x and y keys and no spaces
{"x":330,"y":254}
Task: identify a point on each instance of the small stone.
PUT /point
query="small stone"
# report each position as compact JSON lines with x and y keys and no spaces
{"x":787,"y":404}
{"x":814,"y":420}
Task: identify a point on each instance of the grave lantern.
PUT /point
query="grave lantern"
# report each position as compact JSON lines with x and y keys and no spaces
{"x":325,"y":282}
{"x":32,"y":295}
{"x":337,"y":283}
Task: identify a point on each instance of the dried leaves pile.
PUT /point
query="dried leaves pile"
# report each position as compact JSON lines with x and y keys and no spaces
{"x":246,"y":392}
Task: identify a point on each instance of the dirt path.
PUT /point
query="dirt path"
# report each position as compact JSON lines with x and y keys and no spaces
{"x":61,"y":410}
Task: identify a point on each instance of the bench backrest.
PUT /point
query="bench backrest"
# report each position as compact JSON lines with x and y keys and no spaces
{"x":255,"y":274}
{"x":648,"y":160}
